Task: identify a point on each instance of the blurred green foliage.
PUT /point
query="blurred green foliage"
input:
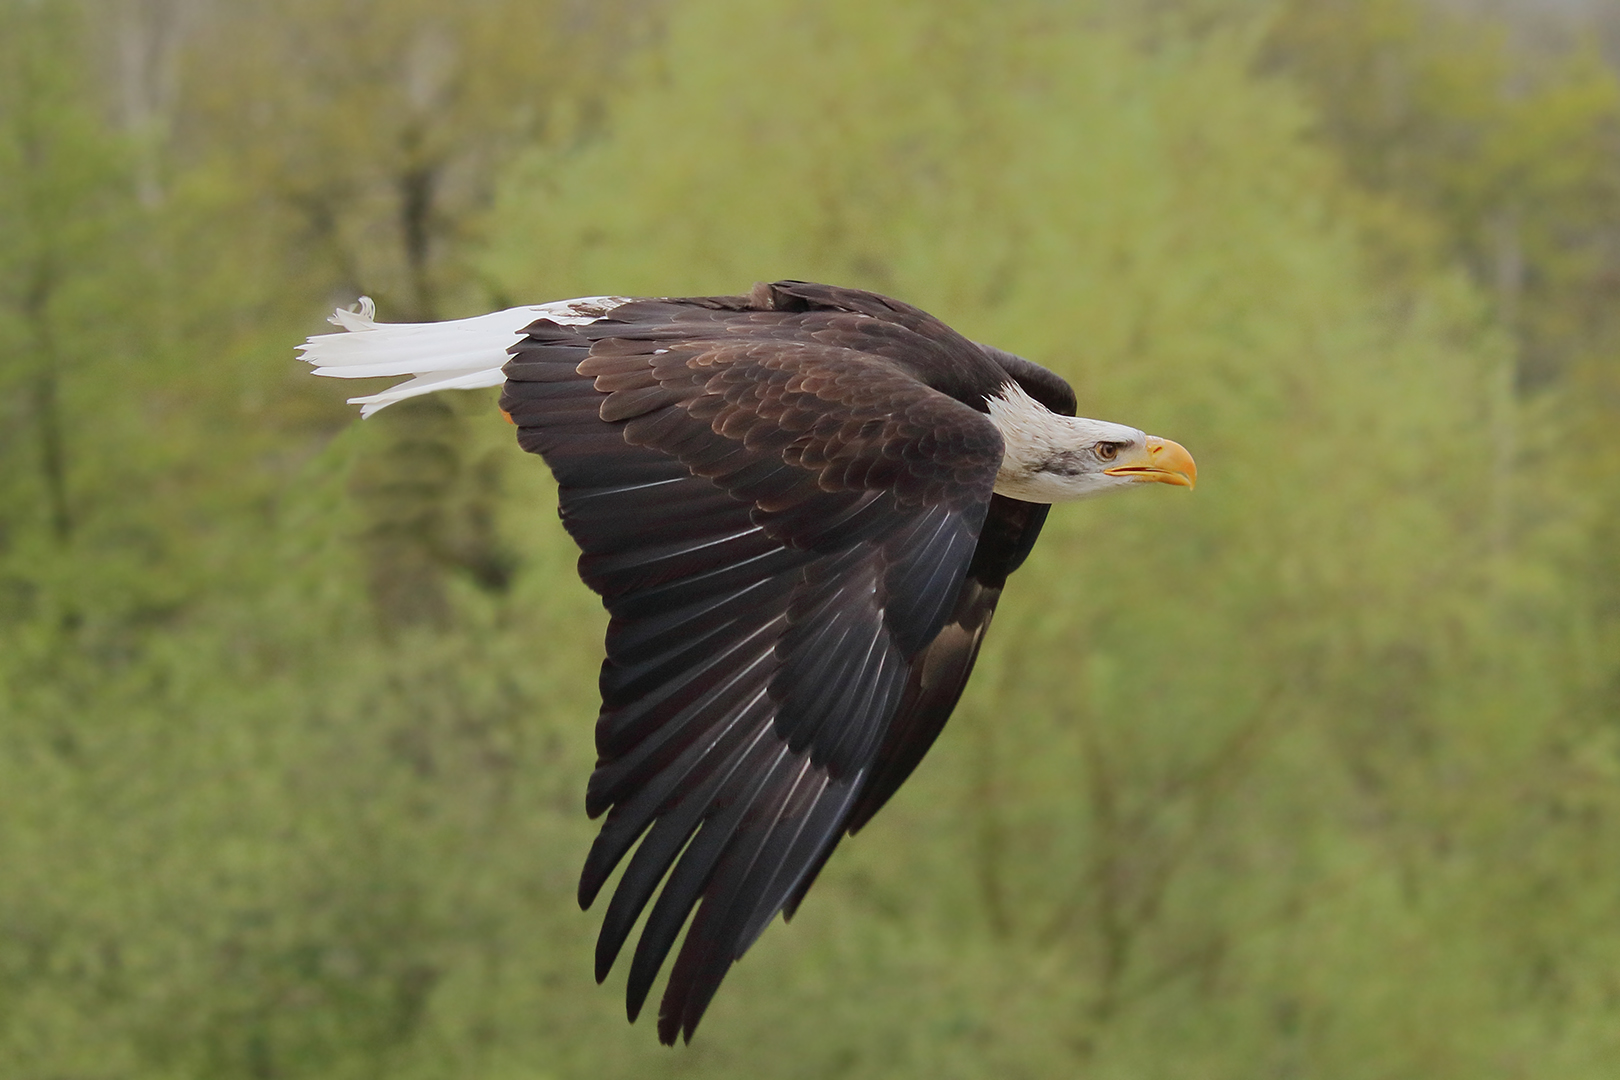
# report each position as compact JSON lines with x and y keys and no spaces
{"x":1315,"y":772}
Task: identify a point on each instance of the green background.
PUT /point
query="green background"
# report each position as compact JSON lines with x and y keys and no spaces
{"x":1314,"y":772}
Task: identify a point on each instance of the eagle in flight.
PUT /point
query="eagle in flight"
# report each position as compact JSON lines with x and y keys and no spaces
{"x":799,"y":507}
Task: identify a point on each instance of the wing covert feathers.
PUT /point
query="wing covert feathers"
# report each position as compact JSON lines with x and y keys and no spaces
{"x":788,"y":525}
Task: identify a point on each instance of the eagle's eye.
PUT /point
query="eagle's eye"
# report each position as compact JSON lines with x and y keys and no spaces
{"x":1106,"y":451}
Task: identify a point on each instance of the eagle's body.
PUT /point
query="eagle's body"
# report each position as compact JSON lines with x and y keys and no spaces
{"x":800,"y":507}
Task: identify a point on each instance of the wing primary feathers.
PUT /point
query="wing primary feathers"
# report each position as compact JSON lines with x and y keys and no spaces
{"x":878,"y":694}
{"x":823,"y":521}
{"x":689,"y":771}
{"x":790,"y":906}
{"x":940,"y":673}
{"x":650,"y":554}
{"x":652,"y":679}
{"x":804,"y":859}
{"x":833,"y":679}
{"x":626,"y":735}
{"x":629,"y":640}
{"x":692,"y":518}
{"x":705,"y":956}
{"x":734,"y":801}
{"x":611,"y":778}
{"x":745,"y":894}
{"x":661,"y":845}
{"x":754,"y":896}
{"x":920,"y":588}
{"x":651,"y":601}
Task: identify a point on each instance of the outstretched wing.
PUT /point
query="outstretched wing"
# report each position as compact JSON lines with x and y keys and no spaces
{"x":779,"y":528}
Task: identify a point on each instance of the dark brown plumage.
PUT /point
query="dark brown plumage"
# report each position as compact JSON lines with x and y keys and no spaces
{"x":786,"y":502}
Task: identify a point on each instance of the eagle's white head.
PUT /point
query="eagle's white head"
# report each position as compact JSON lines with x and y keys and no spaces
{"x":1054,"y":458}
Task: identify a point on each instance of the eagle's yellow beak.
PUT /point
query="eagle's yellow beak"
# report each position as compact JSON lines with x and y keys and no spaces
{"x":1160,"y":459}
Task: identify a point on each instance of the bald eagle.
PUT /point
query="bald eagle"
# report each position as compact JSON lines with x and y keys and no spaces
{"x":799,"y":507}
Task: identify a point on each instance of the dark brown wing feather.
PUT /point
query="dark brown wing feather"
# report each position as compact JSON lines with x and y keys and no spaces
{"x":780,"y":525}
{"x":940,"y":672}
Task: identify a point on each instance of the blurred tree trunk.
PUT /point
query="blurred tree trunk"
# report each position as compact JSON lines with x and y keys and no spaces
{"x":148,"y":38}
{"x":53,"y":197}
{"x":382,"y":125}
{"x":1506,"y":238}
{"x":47,"y":403}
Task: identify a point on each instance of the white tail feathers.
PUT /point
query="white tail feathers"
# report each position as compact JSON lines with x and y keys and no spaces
{"x":457,"y":355}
